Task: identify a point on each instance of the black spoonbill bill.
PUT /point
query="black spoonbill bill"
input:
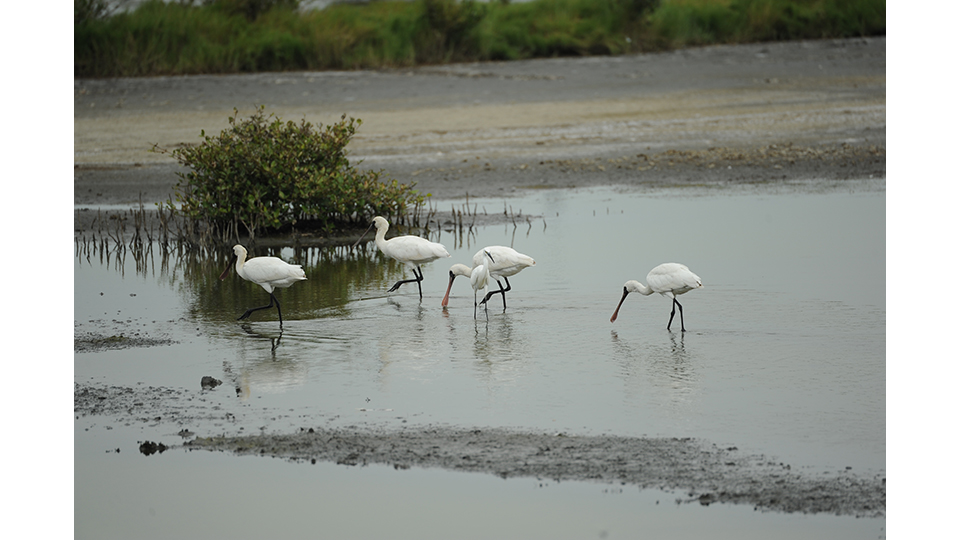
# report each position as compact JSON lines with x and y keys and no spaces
{"x":668,"y":279}
{"x":508,"y":262}
{"x":267,"y":272}
{"x":479,"y":278}
{"x":410,"y":250}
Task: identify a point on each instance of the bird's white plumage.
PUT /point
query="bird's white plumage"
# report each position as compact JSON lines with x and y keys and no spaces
{"x":506,"y":262}
{"x":671,"y":279}
{"x":409,"y":250}
{"x":479,"y":277}
{"x":668,"y":279}
{"x":412,"y":251}
{"x":268,"y":272}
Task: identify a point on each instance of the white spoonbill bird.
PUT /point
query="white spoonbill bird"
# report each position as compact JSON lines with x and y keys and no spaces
{"x":508,"y":262}
{"x":479,"y":278}
{"x":668,"y":279}
{"x":411,"y":250}
{"x":267,"y":272}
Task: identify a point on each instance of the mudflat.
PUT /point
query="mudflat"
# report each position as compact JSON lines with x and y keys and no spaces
{"x":739,"y":113}
{"x":759,"y":113}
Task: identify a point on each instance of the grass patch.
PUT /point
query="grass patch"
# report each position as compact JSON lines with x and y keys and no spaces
{"x":683,"y":23}
{"x":233,"y":36}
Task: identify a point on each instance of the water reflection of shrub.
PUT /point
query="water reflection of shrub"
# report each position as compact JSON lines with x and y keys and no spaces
{"x":336,"y":275}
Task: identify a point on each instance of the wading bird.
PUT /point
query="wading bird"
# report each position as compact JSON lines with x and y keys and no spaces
{"x":479,"y":277}
{"x":267,"y":272}
{"x":508,"y":263}
{"x":668,"y":279}
{"x":410,"y":250}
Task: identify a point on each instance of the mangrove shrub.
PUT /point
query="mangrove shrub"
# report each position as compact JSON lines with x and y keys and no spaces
{"x":266,"y":175}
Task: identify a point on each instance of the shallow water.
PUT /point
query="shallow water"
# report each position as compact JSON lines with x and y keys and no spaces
{"x":784,"y":355}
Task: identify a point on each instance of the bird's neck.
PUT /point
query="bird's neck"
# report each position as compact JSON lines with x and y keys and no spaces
{"x":641,"y":288}
{"x":381,"y":237}
{"x":241,"y":257}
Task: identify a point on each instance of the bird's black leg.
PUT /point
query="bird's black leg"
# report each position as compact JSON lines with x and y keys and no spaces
{"x":484,"y":302}
{"x":273,"y":299}
{"x":673,"y":312}
{"x":489,"y":294}
{"x":398,"y":284}
{"x":502,"y":292}
{"x":682,"y":329}
{"x":419,"y":278}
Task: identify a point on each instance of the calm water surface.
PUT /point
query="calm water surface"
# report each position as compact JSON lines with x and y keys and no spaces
{"x":784,"y":355}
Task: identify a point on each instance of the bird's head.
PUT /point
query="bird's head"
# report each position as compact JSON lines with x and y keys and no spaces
{"x":628,"y":287}
{"x":372,"y":223}
{"x":459,"y":270}
{"x":238,"y":251}
{"x":632,"y":286}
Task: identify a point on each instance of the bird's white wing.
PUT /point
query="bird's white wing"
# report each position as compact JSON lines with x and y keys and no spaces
{"x":272,"y":269}
{"x":414,"y":249}
{"x":667,"y":277}
{"x":506,"y":261}
{"x":671,"y":278}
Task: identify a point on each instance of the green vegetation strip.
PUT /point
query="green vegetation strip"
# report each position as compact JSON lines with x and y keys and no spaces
{"x":231,"y":36}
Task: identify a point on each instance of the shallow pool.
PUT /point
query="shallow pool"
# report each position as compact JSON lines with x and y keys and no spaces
{"x":784,"y":355}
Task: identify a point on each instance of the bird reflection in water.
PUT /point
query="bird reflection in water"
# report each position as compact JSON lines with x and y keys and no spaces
{"x":666,"y":365}
{"x":274,"y":340}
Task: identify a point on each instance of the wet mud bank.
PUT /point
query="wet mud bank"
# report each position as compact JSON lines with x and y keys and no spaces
{"x":695,"y":471}
{"x":452,"y":185}
{"x":705,"y":119}
{"x":95,"y":342}
{"x":698,"y":471}
{"x":741,"y":113}
{"x":129,"y":186}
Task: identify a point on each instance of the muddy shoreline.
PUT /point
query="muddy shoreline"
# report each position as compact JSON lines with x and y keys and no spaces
{"x":760,"y":114}
{"x":453,"y":186}
{"x":714,"y":115}
{"x":695,"y":471}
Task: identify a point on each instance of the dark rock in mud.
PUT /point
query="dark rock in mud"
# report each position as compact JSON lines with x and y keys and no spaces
{"x":209,"y":383}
